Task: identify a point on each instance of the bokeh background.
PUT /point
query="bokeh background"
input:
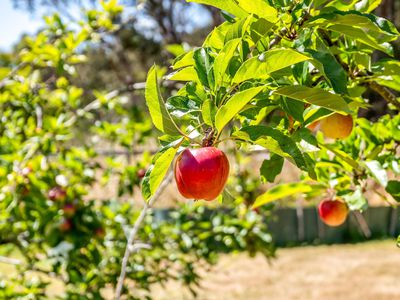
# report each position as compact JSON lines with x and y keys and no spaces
{"x":359,"y":260}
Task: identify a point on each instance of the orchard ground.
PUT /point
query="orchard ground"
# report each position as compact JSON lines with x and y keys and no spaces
{"x":352,"y":271}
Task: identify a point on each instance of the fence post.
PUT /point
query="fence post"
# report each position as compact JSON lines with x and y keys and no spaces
{"x":300,"y":221}
{"x":393,"y":222}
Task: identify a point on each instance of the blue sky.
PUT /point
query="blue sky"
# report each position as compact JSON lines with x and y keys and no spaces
{"x":14,"y":23}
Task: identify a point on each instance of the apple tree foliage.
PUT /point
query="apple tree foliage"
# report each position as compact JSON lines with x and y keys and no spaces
{"x":57,"y":239}
{"x":266,"y":74}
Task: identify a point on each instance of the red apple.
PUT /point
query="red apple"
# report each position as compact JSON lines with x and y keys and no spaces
{"x":57,"y":194}
{"x":337,"y":126}
{"x":69,"y":209}
{"x":333,"y":212}
{"x":201,"y":173}
{"x":140,"y":173}
{"x":66,"y":225}
{"x":100,"y":233}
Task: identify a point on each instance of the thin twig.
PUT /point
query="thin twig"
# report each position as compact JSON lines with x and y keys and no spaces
{"x":12,"y":73}
{"x":10,"y":261}
{"x":276,"y":40}
{"x":385,"y":93}
{"x":130,"y":246}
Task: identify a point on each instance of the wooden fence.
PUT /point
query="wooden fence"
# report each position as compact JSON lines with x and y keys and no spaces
{"x":302,"y":226}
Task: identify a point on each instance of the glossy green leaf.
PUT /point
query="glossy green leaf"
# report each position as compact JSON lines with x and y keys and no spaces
{"x":158,"y":112}
{"x":237,"y":29}
{"x":327,"y":64}
{"x":185,"y":74}
{"x":271,"y":168}
{"x":223,"y":59}
{"x":343,"y":156}
{"x":208,"y":111}
{"x":260,"y":8}
{"x":367,"y":5}
{"x":234,"y":105}
{"x":315,"y":96}
{"x":229,"y":6}
{"x":261,"y":66}
{"x":393,"y":188}
{"x":361,"y":27}
{"x":156,"y":173}
{"x":294,"y":109}
{"x":184,"y":60}
{"x":204,"y":66}
{"x":275,"y":141}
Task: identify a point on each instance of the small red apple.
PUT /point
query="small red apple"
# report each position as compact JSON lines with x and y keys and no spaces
{"x":333,"y":212}
{"x":57,"y":194}
{"x":66,"y":225}
{"x":141,"y":173}
{"x":201,"y":173}
{"x":69,"y":210}
{"x":100,"y":233}
{"x":337,"y":126}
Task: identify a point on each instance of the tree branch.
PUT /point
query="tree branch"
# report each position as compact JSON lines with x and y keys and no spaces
{"x":10,"y":261}
{"x":278,"y":38}
{"x":12,"y":73}
{"x":130,"y":246}
{"x":385,"y":93}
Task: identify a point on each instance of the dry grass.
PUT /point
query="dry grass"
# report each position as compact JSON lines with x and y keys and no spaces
{"x":367,"y":271}
{"x":361,"y":271}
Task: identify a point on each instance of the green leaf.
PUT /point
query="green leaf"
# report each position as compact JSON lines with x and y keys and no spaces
{"x":377,"y":171}
{"x":356,"y":200}
{"x":362,"y":27}
{"x":327,"y":64}
{"x":217,"y":37}
{"x":306,"y":140}
{"x":237,"y":29}
{"x":234,"y":105}
{"x":185,"y":74}
{"x":259,"y":8}
{"x":314,"y":96}
{"x":179,"y":106}
{"x":208,"y":111}
{"x":342,"y":155}
{"x":360,"y":35}
{"x":281,"y":191}
{"x":260,"y":67}
{"x":259,"y":29}
{"x":270,"y":168}
{"x":229,"y":6}
{"x":184,"y":60}
{"x":223,"y":59}
{"x":367,"y":5}
{"x":393,"y":188}
{"x":157,"y":171}
{"x":275,"y":141}
{"x":293,"y":108}
{"x":204,"y":66}
{"x":158,"y":112}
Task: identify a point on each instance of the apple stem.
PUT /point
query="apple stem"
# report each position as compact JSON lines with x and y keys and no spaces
{"x":209,"y":137}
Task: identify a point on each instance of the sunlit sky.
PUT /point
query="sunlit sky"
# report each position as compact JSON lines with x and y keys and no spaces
{"x":14,"y":23}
